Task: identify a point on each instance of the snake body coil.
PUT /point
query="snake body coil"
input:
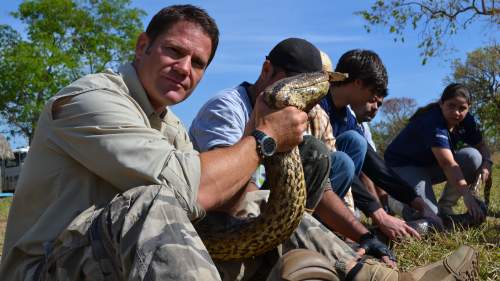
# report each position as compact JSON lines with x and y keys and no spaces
{"x":285,"y":207}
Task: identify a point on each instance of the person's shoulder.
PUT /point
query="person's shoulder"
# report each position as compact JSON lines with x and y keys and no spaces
{"x":430,"y":119}
{"x":469,"y":120}
{"x":325,"y":105}
{"x":227,"y":100}
{"x":94,"y":93}
{"x":469,"y":124}
{"x":230,"y":95}
{"x":107,"y":80}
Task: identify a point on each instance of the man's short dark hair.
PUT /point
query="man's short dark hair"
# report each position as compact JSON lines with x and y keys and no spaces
{"x":167,"y":17}
{"x":364,"y":65}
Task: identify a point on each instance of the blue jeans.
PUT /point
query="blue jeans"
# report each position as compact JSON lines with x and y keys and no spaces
{"x":347,"y":161}
{"x":354,"y":145}
{"x":341,"y":172}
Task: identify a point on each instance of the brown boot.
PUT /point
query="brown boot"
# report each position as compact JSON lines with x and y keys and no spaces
{"x":302,"y":265}
{"x":461,"y":265}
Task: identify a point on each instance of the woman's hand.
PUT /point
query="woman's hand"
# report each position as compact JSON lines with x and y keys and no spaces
{"x":485,"y":171}
{"x":473,"y":208}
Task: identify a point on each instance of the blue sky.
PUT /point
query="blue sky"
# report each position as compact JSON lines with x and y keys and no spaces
{"x":249,"y":30}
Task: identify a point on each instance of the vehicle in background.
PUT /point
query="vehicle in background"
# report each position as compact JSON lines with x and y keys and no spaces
{"x":11,"y":169}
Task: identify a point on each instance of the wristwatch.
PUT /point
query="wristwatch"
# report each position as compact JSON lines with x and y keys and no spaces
{"x":266,"y":145}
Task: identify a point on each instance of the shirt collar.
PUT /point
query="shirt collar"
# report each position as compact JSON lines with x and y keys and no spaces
{"x":135,"y":87}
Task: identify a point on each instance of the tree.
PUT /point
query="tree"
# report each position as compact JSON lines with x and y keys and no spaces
{"x":395,"y":114}
{"x":438,"y":20}
{"x":481,"y":74}
{"x":65,"y":39}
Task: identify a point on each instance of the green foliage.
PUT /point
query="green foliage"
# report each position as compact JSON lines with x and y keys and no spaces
{"x":436,"y":20}
{"x":395,"y":114}
{"x":481,"y":73}
{"x":65,"y":39}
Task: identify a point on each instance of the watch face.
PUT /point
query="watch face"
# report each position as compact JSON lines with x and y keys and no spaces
{"x":268,"y":146}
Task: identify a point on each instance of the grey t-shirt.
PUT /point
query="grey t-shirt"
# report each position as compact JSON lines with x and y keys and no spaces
{"x":221,"y":122}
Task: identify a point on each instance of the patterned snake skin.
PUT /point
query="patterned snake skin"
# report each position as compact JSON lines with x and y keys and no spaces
{"x":281,"y":215}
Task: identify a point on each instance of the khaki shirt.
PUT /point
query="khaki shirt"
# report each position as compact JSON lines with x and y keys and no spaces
{"x":97,"y":137}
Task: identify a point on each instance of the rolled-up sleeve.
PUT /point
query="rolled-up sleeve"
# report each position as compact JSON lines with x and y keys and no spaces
{"x":109,"y":135}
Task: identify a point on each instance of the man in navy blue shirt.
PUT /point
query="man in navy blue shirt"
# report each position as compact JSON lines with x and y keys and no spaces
{"x":367,"y":83}
{"x":382,"y":178}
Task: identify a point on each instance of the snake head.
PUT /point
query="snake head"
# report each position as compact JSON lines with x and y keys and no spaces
{"x":302,"y":91}
{"x":337,"y":76}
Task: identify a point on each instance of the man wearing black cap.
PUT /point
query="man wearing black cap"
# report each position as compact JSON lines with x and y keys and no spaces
{"x":223,"y":120}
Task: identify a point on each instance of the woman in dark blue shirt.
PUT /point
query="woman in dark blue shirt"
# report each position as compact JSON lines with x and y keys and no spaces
{"x":424,"y":153}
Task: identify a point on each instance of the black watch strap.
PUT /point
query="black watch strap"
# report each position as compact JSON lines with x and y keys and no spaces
{"x":266,"y":146}
{"x":259,"y":135}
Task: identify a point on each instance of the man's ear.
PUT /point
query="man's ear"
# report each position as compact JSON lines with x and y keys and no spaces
{"x":142,"y":45}
{"x":267,"y":71}
{"x":359,"y":83}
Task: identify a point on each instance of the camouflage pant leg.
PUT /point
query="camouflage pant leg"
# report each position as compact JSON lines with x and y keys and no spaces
{"x":313,"y":235}
{"x":143,"y":234}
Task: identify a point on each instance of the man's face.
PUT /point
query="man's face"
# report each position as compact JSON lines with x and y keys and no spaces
{"x":360,"y":94}
{"x":367,"y":111}
{"x":172,"y":66}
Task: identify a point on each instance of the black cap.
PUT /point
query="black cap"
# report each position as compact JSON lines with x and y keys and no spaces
{"x":296,"y":56}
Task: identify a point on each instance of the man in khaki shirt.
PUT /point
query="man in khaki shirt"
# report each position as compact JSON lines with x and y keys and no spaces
{"x":111,"y":162}
{"x":111,"y":183}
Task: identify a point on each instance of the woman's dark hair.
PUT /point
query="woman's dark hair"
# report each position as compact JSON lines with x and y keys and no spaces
{"x":167,"y":17}
{"x":451,"y":91}
{"x":364,"y":65}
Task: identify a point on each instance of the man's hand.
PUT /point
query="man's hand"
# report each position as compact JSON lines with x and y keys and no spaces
{"x":369,"y":244}
{"x":393,"y":227}
{"x":286,"y":126}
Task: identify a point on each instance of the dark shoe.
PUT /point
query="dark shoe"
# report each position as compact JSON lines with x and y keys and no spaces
{"x":463,"y":220}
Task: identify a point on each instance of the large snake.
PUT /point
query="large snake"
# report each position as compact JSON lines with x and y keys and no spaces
{"x":281,"y":215}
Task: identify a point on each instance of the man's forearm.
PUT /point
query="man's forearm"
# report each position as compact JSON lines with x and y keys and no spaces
{"x":334,"y":214}
{"x":362,"y":198}
{"x":224,"y":171}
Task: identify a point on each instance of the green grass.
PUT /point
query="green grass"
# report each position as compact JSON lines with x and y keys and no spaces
{"x":411,"y":253}
{"x":4,"y":212}
{"x":485,"y":239}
